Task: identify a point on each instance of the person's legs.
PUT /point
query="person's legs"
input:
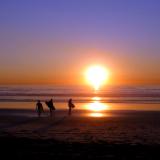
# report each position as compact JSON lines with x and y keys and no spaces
{"x":39,"y":113}
{"x":69,"y":111}
{"x":51,"y":112}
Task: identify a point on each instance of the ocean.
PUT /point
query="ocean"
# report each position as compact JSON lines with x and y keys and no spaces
{"x":113,"y":97}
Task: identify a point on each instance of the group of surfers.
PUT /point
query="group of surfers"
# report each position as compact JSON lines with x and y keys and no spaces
{"x":50,"y":105}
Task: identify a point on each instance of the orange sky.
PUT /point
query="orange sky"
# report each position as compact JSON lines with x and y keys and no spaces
{"x":52,"y":70}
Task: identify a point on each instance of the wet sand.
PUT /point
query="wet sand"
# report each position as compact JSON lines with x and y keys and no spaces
{"x":118,"y":135}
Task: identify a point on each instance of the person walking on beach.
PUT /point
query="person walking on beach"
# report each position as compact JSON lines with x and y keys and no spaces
{"x":39,"y":108}
{"x":70,"y":106}
{"x":51,"y":107}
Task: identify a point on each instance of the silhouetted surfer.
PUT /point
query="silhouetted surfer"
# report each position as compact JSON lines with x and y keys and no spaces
{"x":39,"y":108}
{"x":50,"y":106}
{"x":70,"y":106}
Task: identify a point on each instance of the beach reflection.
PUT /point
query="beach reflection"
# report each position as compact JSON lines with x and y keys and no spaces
{"x":96,"y":115}
{"x":96,"y":108}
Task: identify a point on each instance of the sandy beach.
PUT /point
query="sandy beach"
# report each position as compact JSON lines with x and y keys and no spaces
{"x":113,"y":136}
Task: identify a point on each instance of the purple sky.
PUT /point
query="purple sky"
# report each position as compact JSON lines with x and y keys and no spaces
{"x":53,"y":41}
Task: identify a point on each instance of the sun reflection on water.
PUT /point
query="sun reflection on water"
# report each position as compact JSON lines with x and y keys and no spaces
{"x":96,"y":98}
{"x":97,"y":108}
{"x":96,"y":115}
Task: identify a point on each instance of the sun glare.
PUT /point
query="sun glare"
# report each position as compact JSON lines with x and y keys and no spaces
{"x":96,"y":76}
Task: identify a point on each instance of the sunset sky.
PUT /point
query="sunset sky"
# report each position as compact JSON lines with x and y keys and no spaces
{"x":55,"y":41}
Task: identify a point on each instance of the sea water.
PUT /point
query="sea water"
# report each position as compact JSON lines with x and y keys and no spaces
{"x":84,"y":97}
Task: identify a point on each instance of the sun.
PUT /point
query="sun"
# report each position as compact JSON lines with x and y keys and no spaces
{"x":96,"y":76}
